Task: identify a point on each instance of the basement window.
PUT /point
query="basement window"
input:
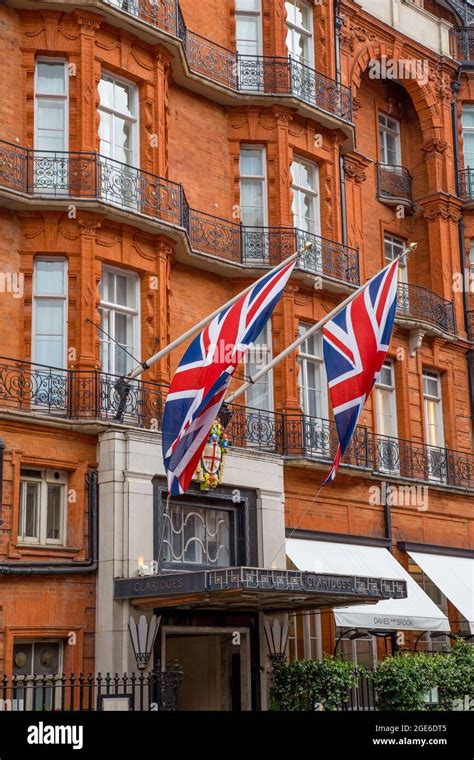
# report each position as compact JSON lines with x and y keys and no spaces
{"x":42,"y":514}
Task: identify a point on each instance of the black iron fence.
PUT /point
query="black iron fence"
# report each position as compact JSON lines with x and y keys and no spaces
{"x":426,"y":306}
{"x":394,"y":183}
{"x":462,"y":43}
{"x":154,"y":691}
{"x":363,"y":696}
{"x":259,"y":74}
{"x":96,"y":395}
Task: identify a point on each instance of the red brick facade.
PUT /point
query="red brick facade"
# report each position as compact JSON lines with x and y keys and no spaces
{"x":190,"y":132}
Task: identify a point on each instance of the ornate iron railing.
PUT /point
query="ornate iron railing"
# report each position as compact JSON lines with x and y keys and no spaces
{"x":394,"y":183}
{"x":462,"y":43}
{"x":426,"y":306}
{"x":89,"y":692}
{"x":262,"y":75}
{"x":267,"y":246}
{"x":315,"y":438}
{"x":79,"y":394}
{"x":466,"y":184}
{"x":95,"y":395}
{"x":61,"y":174}
{"x":66,"y":175}
{"x":158,"y":13}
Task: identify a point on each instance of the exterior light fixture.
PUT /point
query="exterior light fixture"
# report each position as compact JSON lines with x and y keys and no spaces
{"x":143,"y":637}
{"x":276,"y":635}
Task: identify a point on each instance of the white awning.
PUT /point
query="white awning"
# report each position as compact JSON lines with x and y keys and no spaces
{"x":417,"y":612}
{"x":454,"y":576}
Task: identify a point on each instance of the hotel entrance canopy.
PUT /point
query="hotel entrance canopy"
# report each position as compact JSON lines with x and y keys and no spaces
{"x":415,"y":611}
{"x":248,"y":588}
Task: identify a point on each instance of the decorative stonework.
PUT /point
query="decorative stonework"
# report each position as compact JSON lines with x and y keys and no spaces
{"x":434,"y":145}
{"x":441,"y":208}
{"x":355,"y":166}
{"x":88,"y":224}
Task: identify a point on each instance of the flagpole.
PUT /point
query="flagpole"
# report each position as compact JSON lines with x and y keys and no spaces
{"x":314,"y":328}
{"x":166,"y":350}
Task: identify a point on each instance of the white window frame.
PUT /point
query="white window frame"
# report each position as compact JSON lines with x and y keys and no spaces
{"x":128,"y":311}
{"x":384,"y":130}
{"x":312,"y":192}
{"x":133,"y":120}
{"x":439,"y":408}
{"x":50,"y":297}
{"x":382,"y":388}
{"x":46,"y":478}
{"x":249,"y":13}
{"x":310,"y":651}
{"x":467,"y":130}
{"x":263,"y":351}
{"x":296,"y":28}
{"x":393,"y":247}
{"x":262,"y":178}
{"x":51,"y":96}
{"x":304,"y":359}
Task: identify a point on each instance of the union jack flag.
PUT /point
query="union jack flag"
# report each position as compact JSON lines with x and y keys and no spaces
{"x":355,"y":344}
{"x":204,"y":374}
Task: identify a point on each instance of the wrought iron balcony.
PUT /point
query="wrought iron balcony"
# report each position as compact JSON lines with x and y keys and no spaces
{"x":462,"y":43}
{"x":259,"y":75}
{"x":78,"y":394}
{"x":424,"y":305}
{"x":69,"y":174}
{"x":315,"y":438}
{"x":87,"y":176}
{"x":394,"y":185}
{"x":95,"y":396}
{"x":466,"y":184}
{"x":267,"y":246}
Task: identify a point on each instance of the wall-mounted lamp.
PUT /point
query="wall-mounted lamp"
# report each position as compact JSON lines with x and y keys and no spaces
{"x":276,"y":635}
{"x":143,"y":637}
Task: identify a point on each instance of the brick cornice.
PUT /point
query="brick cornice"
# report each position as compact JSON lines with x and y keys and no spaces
{"x":355,"y":165}
{"x":87,"y":20}
{"x":88,"y":224}
{"x":445,"y":207}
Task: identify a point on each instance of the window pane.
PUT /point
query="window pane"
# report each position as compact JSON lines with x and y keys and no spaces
{"x":49,"y":278}
{"x":51,"y":114}
{"x":51,"y":78}
{"x":46,"y":657}
{"x":30,"y":507}
{"x":53,"y":521}
{"x":49,"y":317}
{"x":106,"y":92}
{"x":247,"y":5}
{"x":123,"y":99}
{"x":251,"y":163}
{"x":22,"y":659}
{"x":468,"y":117}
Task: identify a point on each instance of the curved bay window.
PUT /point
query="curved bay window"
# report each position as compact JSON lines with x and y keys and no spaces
{"x":197,"y":536}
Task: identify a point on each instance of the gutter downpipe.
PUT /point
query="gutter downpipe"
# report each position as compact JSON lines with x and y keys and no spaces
{"x":456,"y":86}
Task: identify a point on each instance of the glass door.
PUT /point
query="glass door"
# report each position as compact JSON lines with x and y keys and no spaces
{"x":50,"y":169}
{"x":436,"y":462}
{"x":386,"y":408}
{"x":317,"y":430}
{"x":121,"y":182}
{"x":248,"y":40}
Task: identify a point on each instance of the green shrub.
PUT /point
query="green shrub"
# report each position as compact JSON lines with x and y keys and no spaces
{"x":402,"y":681}
{"x":309,"y":685}
{"x":455,"y":675}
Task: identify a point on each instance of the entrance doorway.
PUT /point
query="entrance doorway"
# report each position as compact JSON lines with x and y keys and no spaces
{"x":216,"y":666}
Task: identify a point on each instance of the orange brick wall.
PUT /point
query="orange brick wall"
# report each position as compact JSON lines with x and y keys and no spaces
{"x":198,"y":145}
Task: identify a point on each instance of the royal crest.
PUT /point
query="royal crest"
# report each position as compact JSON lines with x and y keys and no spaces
{"x":210,"y":470}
